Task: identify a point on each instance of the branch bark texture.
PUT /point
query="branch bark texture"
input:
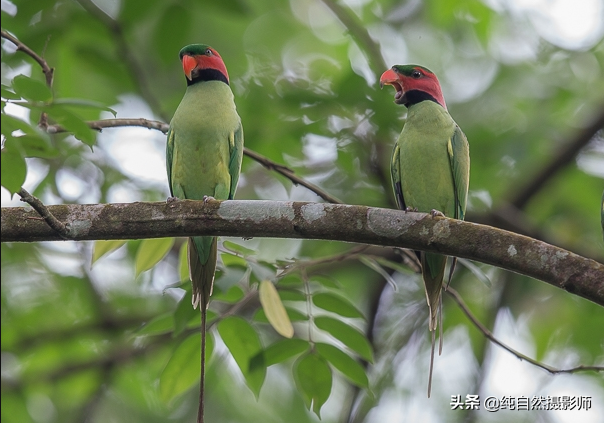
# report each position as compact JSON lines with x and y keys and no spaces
{"x":277,"y":219}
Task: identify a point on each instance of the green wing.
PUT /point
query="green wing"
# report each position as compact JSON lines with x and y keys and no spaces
{"x":169,"y":153}
{"x":459,"y":158}
{"x":236,"y":151}
{"x":395,"y":170}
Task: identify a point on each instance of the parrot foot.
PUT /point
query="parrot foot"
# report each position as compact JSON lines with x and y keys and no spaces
{"x":411,"y":209}
{"x":435,"y":213}
{"x":172,"y":200}
{"x":207,"y":198}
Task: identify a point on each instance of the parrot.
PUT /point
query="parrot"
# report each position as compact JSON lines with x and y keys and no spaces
{"x":203,"y":161}
{"x":430,"y":171}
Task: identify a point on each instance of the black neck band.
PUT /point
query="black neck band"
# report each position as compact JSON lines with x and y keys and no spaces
{"x":416,"y":96}
{"x":207,"y":75}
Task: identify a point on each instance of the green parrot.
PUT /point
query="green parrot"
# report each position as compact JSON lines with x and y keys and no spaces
{"x":203,"y":159}
{"x":430,"y":170}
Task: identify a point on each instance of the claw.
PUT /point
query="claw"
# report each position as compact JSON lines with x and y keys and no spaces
{"x":411,"y":209}
{"x":207,"y":198}
{"x":435,"y":213}
{"x":172,"y":200}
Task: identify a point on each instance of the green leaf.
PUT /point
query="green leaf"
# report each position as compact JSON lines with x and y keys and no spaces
{"x":184,"y":312}
{"x":8,"y":93}
{"x":32,"y":89}
{"x":12,"y":123}
{"x":80,"y":102}
{"x":13,"y":168}
{"x":159,"y":325}
{"x":282,"y":350}
{"x":348,"y":366}
{"x":237,"y":249}
{"x":244,"y":344}
{"x":183,"y":264}
{"x":313,"y":379}
{"x":291,"y":295}
{"x":327,"y":281}
{"x":336,"y":304}
{"x":37,"y":145}
{"x":184,"y":367}
{"x":105,"y":247}
{"x":230,"y":260}
{"x":275,"y":312}
{"x":72,"y":123}
{"x":150,"y":252}
{"x":349,"y":336}
{"x":233,"y":295}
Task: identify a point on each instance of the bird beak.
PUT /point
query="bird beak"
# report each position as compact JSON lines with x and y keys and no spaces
{"x":188,"y":65}
{"x":390,"y":77}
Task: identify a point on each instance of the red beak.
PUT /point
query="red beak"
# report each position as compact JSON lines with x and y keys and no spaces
{"x":188,"y":64}
{"x":389,"y":78}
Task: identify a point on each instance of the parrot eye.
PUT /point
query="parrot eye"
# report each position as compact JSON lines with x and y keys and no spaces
{"x":208,"y":52}
{"x":416,"y":74}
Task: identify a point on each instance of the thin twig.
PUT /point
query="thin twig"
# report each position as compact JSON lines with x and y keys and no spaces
{"x":289,"y":174}
{"x":47,"y":70}
{"x":99,"y":125}
{"x":457,"y":298}
{"x":360,"y":35}
{"x":43,"y":211}
{"x":163,"y":127}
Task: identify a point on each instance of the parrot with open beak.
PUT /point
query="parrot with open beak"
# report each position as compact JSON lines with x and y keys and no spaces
{"x":430,"y":170}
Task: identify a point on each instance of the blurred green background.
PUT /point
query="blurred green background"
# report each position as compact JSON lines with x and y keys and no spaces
{"x":114,"y":340}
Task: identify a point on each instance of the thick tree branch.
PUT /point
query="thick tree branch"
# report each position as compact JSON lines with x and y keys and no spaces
{"x":278,"y":219}
{"x":564,"y":156}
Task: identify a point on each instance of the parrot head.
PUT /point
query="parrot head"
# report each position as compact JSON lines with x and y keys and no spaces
{"x":413,"y":84}
{"x":202,"y":63}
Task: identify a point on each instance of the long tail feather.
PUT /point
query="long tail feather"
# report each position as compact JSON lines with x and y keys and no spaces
{"x":202,"y":280}
{"x":431,"y":365}
{"x":433,"y":274}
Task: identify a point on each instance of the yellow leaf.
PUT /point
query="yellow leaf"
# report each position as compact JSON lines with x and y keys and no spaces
{"x":150,"y":252}
{"x":183,"y":265}
{"x":274,"y":309}
{"x":105,"y":247}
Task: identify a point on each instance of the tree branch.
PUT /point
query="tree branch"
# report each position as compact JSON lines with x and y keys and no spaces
{"x":42,"y":210}
{"x":487,"y":333}
{"x":564,"y":156}
{"x":48,"y":71}
{"x":277,"y":219}
{"x":163,"y":127}
{"x":360,"y":35}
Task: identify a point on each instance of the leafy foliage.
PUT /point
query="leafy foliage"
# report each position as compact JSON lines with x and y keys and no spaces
{"x":120,"y":338}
